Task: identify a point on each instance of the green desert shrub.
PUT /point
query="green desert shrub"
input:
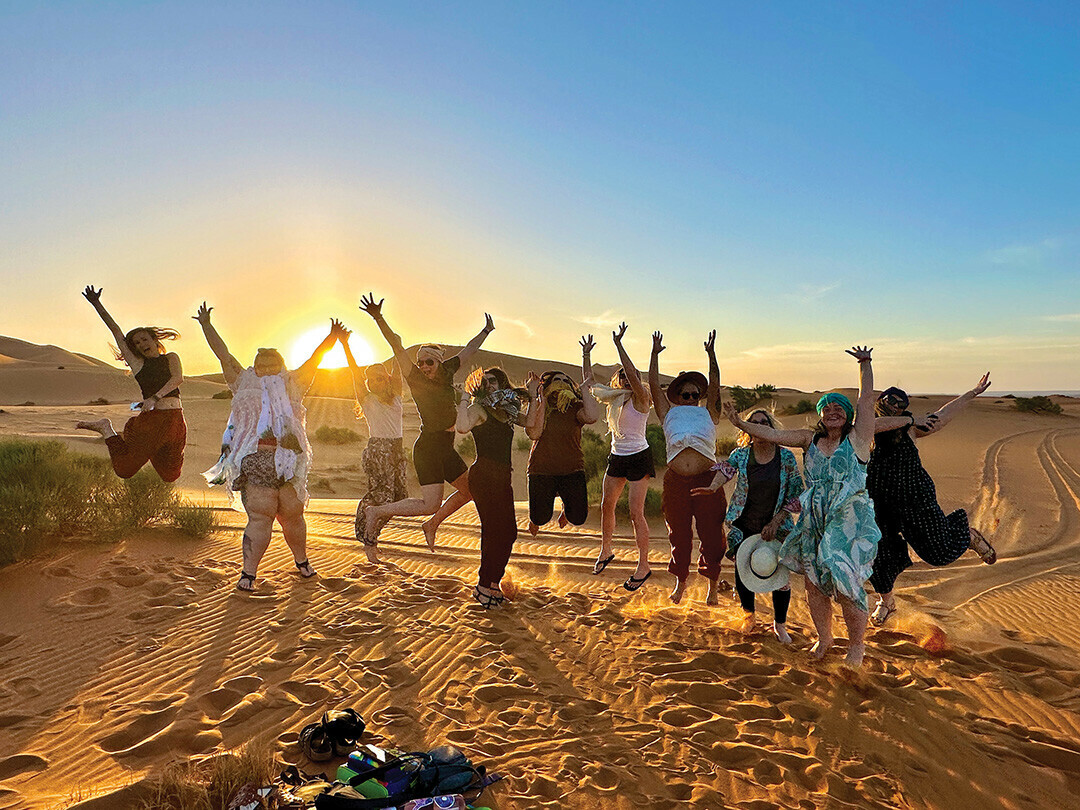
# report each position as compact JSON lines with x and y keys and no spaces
{"x":1036,"y":405}
{"x":595,"y":450}
{"x":724,"y":446}
{"x":332,"y":435}
{"x":523,"y":444}
{"x":742,"y":397}
{"x":49,"y":494}
{"x":98,"y":401}
{"x":194,"y":520}
{"x":802,"y":406}
{"x":654,"y":435}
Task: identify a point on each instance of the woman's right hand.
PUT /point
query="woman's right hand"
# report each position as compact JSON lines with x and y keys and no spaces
{"x":532,"y":383}
{"x":704,"y":490}
{"x":732,"y":414}
{"x":984,"y":383}
{"x":92,"y":295}
{"x":203,"y":315}
{"x":587,"y":344}
{"x":617,"y":335}
{"x":658,"y":342}
{"x":367,"y":303}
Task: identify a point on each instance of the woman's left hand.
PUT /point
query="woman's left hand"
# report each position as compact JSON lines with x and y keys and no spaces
{"x":860,"y":353}
{"x":148,"y":404}
{"x":984,"y":383}
{"x":731,"y":414}
{"x":768,"y":532}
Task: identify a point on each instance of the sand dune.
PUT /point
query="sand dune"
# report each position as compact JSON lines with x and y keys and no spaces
{"x":117,"y":660}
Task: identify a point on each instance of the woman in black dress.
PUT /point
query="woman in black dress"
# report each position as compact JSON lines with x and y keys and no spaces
{"x":905,"y":499}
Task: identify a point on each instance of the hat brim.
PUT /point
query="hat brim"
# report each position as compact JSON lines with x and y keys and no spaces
{"x":695,"y":377}
{"x":747,"y":576}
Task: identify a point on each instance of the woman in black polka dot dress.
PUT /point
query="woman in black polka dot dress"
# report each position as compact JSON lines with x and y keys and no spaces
{"x":905,"y":499}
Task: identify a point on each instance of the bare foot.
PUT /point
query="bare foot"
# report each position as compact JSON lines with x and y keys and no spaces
{"x":820,"y":648}
{"x":371,"y":523}
{"x":533,"y":528}
{"x":854,"y":657}
{"x":102,"y":426}
{"x":371,"y":552}
{"x":713,"y":597}
{"x":780,"y":630}
{"x":677,"y":594}
{"x":429,"y":533}
{"x":563,"y":522}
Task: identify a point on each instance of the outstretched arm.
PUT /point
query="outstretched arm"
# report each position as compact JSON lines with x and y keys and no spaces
{"x":405,"y":363}
{"x":641,"y":395}
{"x":230,"y":366}
{"x":713,"y":394}
{"x":883,"y":424}
{"x":133,"y":360}
{"x":590,"y":408}
{"x":471,"y":348}
{"x":862,"y":434}
{"x":660,"y":401}
{"x":788,"y":438}
{"x":947,"y":412}
{"x":305,"y":375}
{"x":359,"y":384}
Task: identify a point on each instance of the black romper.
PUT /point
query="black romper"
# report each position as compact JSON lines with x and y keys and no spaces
{"x":907,"y":511}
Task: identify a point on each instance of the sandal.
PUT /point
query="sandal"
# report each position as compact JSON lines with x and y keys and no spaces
{"x":882,"y":612}
{"x":300,"y":566}
{"x":600,"y":565}
{"x":633,"y":583}
{"x":249,"y":579}
{"x":487,"y":600}
{"x":988,"y":555}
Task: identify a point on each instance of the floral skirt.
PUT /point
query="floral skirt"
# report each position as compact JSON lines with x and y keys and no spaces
{"x":384,"y":463}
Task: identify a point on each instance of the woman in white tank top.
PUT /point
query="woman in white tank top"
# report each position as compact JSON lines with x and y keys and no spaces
{"x":631,"y":460}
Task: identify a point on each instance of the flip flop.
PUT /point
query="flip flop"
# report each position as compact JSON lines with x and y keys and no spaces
{"x":988,"y":555}
{"x":882,"y":613}
{"x":634,"y":583}
{"x":300,"y":566}
{"x":249,"y":579}
{"x":600,"y":565}
{"x":486,"y":600}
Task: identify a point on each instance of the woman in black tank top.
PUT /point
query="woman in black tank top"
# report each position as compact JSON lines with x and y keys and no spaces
{"x":489,"y":410}
{"x":158,"y":433}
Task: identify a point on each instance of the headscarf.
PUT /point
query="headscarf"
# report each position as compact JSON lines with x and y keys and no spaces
{"x":435,"y":352}
{"x":835,"y":398}
{"x":505,"y":404}
{"x":561,"y":396}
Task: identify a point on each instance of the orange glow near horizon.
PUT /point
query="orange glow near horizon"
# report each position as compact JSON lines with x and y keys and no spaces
{"x":304,"y":345}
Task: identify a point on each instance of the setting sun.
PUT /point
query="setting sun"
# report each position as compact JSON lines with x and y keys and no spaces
{"x":304,"y":345}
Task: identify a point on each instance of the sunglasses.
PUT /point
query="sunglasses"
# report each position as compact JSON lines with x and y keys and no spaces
{"x":427,"y":361}
{"x":690,"y":395}
{"x":893,"y":399}
{"x":759,"y":422}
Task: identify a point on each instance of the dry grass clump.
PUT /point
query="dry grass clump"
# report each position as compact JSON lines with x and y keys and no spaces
{"x":194,"y":520}
{"x":210,"y":783}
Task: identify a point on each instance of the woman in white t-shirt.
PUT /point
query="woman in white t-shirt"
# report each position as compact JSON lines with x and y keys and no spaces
{"x":378,"y":402}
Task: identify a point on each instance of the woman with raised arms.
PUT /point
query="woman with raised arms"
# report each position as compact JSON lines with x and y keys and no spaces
{"x":265,"y":455}
{"x":766,"y":499}
{"x":688,"y":499}
{"x":158,"y":432}
{"x":431,"y":380}
{"x":559,"y":411}
{"x":905,"y":498}
{"x":836,"y":539}
{"x":489,"y":409}
{"x":631,"y":460}
{"x":378,"y":402}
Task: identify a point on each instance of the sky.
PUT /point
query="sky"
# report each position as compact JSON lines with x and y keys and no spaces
{"x":801,"y":177}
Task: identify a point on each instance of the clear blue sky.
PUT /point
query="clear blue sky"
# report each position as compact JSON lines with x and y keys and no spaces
{"x":801,"y":176}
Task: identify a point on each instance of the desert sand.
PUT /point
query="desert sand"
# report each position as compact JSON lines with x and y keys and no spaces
{"x":117,"y":659}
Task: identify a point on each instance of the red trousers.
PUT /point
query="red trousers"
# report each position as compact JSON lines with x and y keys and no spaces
{"x":489,"y":483}
{"x":681,"y":511}
{"x":154,"y":436}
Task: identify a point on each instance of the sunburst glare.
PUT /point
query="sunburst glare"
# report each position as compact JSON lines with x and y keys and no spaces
{"x":304,"y":345}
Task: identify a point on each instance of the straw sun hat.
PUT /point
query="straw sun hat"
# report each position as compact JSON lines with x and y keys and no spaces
{"x":759,"y":565}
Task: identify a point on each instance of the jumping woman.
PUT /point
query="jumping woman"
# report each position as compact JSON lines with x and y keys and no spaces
{"x":431,"y":380}
{"x":157,"y":433}
{"x":689,"y":498}
{"x":631,"y":459}
{"x":489,"y":409}
{"x":265,"y":455}
{"x":378,"y":402}
{"x":836,"y":539}
{"x":905,"y":499}
{"x":766,"y":499}
{"x":559,"y":410}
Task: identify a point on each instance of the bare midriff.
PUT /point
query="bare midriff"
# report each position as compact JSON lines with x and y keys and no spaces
{"x":689,"y":462}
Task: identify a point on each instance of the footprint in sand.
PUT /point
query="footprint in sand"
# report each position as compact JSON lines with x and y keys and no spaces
{"x":143,"y":728}
{"x":307,"y":693}
{"x":21,"y":763}
{"x":87,"y":597}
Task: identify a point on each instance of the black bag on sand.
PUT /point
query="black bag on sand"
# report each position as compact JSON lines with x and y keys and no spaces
{"x":445,"y":770}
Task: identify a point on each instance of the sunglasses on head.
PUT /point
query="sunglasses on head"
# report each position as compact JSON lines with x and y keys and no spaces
{"x":427,"y":361}
{"x":893,"y":399}
{"x":690,"y":395}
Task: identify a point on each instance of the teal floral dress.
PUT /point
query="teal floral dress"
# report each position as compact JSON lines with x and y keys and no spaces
{"x":836,"y":539}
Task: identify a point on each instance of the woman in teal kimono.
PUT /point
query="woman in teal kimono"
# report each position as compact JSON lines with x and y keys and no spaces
{"x":836,"y":539}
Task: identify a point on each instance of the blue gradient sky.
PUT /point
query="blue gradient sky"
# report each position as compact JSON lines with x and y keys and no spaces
{"x":800,"y":176}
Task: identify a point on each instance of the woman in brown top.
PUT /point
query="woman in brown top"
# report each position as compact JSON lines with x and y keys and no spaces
{"x":556,"y":463}
{"x":431,"y":381}
{"x":158,"y":433}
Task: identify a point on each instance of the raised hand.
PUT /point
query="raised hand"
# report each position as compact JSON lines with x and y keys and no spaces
{"x":618,"y":335}
{"x":731,"y":414}
{"x":710,"y":343}
{"x":860,"y":353}
{"x":532,"y":383}
{"x":658,"y":342}
{"x":587,"y":344}
{"x":367,"y":303}
{"x":338,"y":330}
{"x":489,"y":325}
{"x":92,"y":295}
{"x":984,"y":383}
{"x":203,"y":315}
